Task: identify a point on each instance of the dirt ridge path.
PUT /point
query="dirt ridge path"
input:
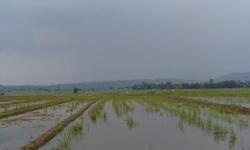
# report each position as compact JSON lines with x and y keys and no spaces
{"x":52,"y":132}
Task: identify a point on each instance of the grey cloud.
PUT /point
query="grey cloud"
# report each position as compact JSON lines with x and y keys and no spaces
{"x":71,"y":41}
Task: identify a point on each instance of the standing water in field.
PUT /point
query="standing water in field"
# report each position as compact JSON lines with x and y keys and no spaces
{"x":18,"y":130}
{"x":148,"y":125}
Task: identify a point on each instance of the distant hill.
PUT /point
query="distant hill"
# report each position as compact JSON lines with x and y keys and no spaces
{"x":94,"y":85}
{"x":235,"y":76}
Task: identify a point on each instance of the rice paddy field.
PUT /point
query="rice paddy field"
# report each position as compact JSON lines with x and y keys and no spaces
{"x":204,"y":119}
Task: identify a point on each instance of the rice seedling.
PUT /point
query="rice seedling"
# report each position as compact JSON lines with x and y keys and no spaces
{"x":232,"y":139}
{"x":96,"y":111}
{"x":130,"y":122}
{"x":121,"y":106}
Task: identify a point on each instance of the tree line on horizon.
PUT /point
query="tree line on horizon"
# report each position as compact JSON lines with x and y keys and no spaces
{"x":198,"y":85}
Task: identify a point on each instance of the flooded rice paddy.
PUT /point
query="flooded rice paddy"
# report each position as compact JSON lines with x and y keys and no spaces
{"x":137,"y":120}
{"x":153,"y":125}
{"x":20,"y":129}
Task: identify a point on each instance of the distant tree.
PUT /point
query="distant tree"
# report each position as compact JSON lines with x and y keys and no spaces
{"x":134,"y":87}
{"x":75,"y":90}
{"x":209,"y":84}
{"x":2,"y":94}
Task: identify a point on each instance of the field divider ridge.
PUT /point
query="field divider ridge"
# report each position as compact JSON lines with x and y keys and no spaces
{"x":30,"y":108}
{"x":233,"y":108}
{"x":52,"y":132}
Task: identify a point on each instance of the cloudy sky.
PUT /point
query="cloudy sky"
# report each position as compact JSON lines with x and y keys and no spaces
{"x":62,"y":41}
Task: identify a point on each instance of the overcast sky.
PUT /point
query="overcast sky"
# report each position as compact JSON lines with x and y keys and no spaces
{"x":63,"y":41}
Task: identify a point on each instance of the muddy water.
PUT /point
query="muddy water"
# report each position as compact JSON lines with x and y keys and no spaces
{"x":150,"y":131}
{"x":18,"y":130}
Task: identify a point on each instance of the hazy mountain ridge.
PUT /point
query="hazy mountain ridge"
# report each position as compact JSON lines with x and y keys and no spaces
{"x":94,"y":85}
{"x":120,"y":83}
{"x":235,"y":76}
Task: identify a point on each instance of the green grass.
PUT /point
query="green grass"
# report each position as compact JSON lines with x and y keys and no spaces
{"x":130,"y":122}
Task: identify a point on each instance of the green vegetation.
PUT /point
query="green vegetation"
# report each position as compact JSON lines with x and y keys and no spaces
{"x":97,"y":111}
{"x":121,"y":106}
{"x":130,"y":122}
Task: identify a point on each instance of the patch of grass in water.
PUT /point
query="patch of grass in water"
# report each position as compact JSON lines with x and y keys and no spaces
{"x":220,"y":133}
{"x":96,"y":111}
{"x":232,"y":139}
{"x":243,"y":123}
{"x":121,"y":106}
{"x":72,"y":106}
{"x":105,"y":116}
{"x":130,"y":122}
